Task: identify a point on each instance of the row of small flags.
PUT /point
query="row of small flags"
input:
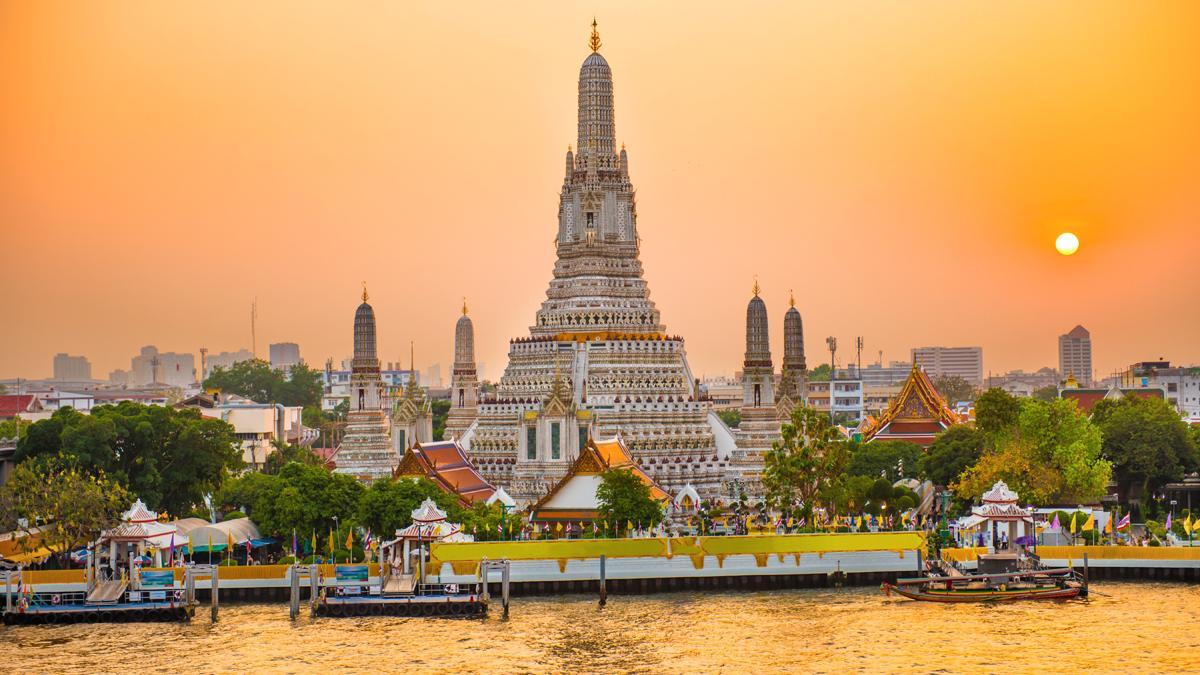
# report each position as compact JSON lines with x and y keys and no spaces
{"x":1090,"y":524}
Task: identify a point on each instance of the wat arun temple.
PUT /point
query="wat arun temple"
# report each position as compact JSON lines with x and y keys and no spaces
{"x":598,"y":362}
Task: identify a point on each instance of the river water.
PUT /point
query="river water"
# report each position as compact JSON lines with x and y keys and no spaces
{"x":1132,"y":627}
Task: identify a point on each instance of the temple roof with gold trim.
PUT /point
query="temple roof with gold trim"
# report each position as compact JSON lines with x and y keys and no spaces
{"x":917,"y":414}
{"x":574,"y":497}
{"x":447,"y":465}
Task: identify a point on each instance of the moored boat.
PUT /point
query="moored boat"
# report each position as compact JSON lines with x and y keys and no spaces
{"x":1057,"y":584}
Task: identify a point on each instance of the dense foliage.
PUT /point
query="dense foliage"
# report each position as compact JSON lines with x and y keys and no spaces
{"x":169,"y":458}
{"x":257,"y":380}
{"x":954,"y":388}
{"x":803,"y":463}
{"x":70,"y":506}
{"x":954,"y":451}
{"x":1051,"y":454}
{"x":885,"y":459}
{"x":624,"y":499}
{"x":301,"y":497}
{"x":1147,"y":443}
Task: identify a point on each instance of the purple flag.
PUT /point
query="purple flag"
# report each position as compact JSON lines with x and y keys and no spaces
{"x":1168,"y":525}
{"x":1056,"y":524}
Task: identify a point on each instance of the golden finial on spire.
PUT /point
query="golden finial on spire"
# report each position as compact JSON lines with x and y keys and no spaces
{"x":756,"y":288}
{"x":594,"y":42}
{"x":464,"y":305}
{"x":791,"y":298}
{"x":364,"y":296}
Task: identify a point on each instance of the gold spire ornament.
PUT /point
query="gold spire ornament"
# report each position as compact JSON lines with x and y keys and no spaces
{"x":464,"y":305}
{"x":756,"y":288}
{"x":364,"y":296}
{"x":594,"y":42}
{"x":791,"y":298}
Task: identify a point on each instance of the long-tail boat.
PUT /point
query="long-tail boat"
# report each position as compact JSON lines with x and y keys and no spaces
{"x":1050,"y":584}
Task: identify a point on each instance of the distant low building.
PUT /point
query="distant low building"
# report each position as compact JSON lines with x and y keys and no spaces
{"x":258,"y":426}
{"x":1086,"y":398}
{"x":1180,"y":385}
{"x":13,"y":405}
{"x":1021,"y":383}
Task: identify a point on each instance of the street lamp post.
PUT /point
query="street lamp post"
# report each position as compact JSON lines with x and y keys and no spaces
{"x":832,"y":343}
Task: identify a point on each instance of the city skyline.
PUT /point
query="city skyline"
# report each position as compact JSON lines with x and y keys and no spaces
{"x":961,"y":200}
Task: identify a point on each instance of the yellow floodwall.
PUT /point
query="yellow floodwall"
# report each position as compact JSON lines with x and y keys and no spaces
{"x":1075,"y":553}
{"x":962,"y":555}
{"x":53,"y":576}
{"x":577,"y":549}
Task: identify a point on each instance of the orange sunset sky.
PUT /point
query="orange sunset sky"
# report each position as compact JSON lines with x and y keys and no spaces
{"x":904,"y":166}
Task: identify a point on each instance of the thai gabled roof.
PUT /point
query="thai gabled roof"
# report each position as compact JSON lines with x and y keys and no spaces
{"x":596,"y":457}
{"x":428,"y":512}
{"x":918,"y":405}
{"x":447,"y":465}
{"x":138,"y":513}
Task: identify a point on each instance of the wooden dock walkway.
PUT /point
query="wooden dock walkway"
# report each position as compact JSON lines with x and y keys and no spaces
{"x":107,"y":592}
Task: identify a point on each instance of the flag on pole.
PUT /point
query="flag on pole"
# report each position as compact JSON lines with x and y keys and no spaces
{"x":171,"y":554}
{"x":332,"y":544}
{"x":210,"y":544}
{"x":314,"y":543}
{"x":350,"y":539}
{"x":1089,"y":524}
{"x":1187,"y":524}
{"x":1167,"y":526}
{"x":1124,"y":522}
{"x":1056,"y":525}
{"x":191,"y":546}
{"x":1073,"y":522}
{"x":295,"y":544}
{"x":1108,"y":526}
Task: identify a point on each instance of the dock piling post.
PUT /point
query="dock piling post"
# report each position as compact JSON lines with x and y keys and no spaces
{"x":294,"y":602}
{"x":920,"y":563}
{"x":314,"y":580}
{"x":216,"y":591}
{"x":603,"y":588}
{"x":504,"y":586}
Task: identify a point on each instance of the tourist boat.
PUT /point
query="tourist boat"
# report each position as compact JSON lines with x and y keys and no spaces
{"x":1053,"y":584}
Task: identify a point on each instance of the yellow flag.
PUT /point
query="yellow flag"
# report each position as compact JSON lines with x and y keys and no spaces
{"x":558,"y":527}
{"x":1090,"y":523}
{"x":1187,"y":524}
{"x":332,"y":545}
{"x":229,"y":541}
{"x":1073,"y":522}
{"x":314,"y":543}
{"x":350,"y":540}
{"x":1108,"y":525}
{"x":191,"y":546}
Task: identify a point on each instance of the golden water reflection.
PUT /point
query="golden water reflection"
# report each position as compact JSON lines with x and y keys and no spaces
{"x":1143,"y":627}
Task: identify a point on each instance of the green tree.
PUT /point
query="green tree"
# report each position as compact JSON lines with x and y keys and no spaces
{"x":891,"y":459}
{"x":70,"y":506}
{"x":953,"y":451}
{"x":441,"y":410}
{"x":257,"y":380}
{"x":954,"y":388}
{"x":387,"y":505}
{"x":802,"y":463}
{"x":819,"y":374}
{"x":1048,"y":393}
{"x":996,"y":410}
{"x":1051,"y":456}
{"x":732,"y":417}
{"x":286,"y":453}
{"x":623,"y":498}
{"x":13,"y":428}
{"x":169,"y":458}
{"x":1147,"y":443}
{"x":301,"y":497}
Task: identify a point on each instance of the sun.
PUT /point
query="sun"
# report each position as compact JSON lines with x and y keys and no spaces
{"x":1067,"y":243}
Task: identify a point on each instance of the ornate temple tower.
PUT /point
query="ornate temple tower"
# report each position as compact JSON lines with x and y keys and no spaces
{"x":792,"y":379}
{"x":464,"y":383}
{"x":758,"y":373}
{"x":760,"y":424}
{"x":366,"y":450}
{"x":598,"y":360}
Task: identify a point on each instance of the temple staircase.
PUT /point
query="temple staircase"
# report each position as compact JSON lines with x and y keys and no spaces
{"x":107,"y":592}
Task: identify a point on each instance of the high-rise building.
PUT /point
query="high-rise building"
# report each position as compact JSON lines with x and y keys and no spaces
{"x":67,"y":367}
{"x":225,"y":360}
{"x":598,"y":360}
{"x":284,"y":355}
{"x":964,"y":362}
{"x":1075,"y":355}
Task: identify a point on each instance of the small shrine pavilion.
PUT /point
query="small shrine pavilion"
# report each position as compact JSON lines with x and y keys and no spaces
{"x":999,"y":514}
{"x":917,"y":414}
